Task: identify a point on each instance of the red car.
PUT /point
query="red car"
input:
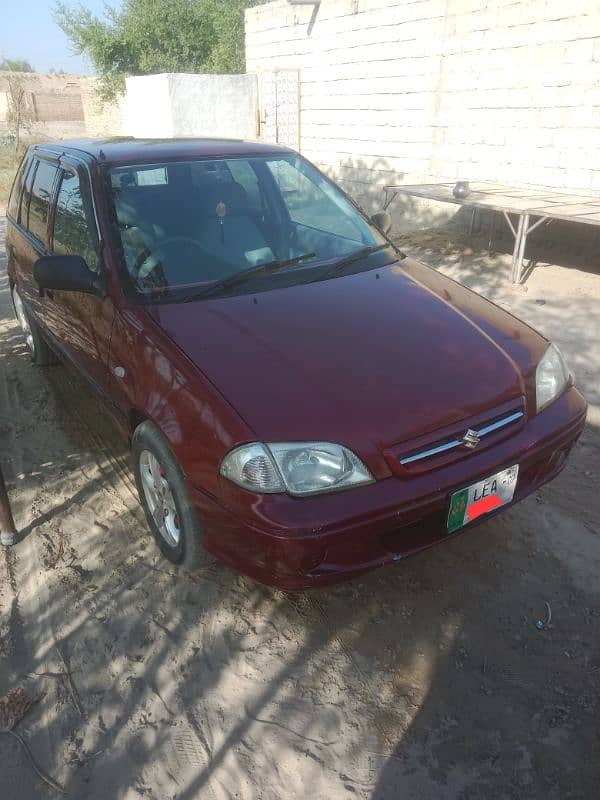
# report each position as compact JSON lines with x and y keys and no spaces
{"x":303,"y":400}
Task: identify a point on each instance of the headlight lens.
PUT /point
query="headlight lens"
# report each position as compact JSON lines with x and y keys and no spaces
{"x":299,"y":468}
{"x":252,"y":467}
{"x":551,"y":377}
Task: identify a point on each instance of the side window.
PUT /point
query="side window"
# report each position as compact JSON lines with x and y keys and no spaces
{"x":26,"y":196}
{"x":311,"y":202}
{"x":17,"y":190}
{"x":72,"y":234}
{"x":41,"y":194}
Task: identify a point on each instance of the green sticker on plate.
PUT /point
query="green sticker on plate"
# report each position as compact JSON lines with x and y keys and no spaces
{"x":458,"y":509}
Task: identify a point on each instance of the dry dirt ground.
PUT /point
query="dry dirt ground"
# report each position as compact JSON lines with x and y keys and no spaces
{"x":427,"y":679}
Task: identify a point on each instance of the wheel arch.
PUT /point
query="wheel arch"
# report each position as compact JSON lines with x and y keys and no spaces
{"x":135,"y":419}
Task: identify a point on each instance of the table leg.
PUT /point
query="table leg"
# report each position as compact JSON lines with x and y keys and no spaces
{"x":7,"y":524}
{"x":516,"y":267}
{"x":472,"y":222}
{"x":524,"y":232}
{"x":492,"y":232}
{"x":388,"y":200}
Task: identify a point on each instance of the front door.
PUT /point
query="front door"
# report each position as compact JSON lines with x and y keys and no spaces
{"x":80,"y":323}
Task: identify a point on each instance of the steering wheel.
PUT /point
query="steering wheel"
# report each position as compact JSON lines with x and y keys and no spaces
{"x":150,"y":258}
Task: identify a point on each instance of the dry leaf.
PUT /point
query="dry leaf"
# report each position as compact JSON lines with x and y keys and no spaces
{"x":13,"y":708}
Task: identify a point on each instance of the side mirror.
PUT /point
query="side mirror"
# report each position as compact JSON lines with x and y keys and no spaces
{"x":66,"y":273}
{"x":382,"y":220}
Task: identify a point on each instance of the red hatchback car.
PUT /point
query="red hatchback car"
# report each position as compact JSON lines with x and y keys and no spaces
{"x":303,"y":400}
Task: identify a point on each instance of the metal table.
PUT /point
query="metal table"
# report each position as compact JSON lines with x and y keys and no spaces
{"x":532,"y":207}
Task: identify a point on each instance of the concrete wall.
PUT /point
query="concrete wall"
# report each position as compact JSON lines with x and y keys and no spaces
{"x":417,"y":90}
{"x":191,"y":105}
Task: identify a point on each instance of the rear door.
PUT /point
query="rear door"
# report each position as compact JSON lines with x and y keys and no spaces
{"x":79,"y":323}
{"x":29,"y":240}
{"x":14,"y":236}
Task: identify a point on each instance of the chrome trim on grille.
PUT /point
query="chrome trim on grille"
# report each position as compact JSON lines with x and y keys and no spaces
{"x":433,"y":452}
{"x":500,"y":423}
{"x":441,"y":448}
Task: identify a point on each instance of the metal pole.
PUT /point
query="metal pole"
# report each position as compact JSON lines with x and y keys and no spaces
{"x":521,"y":256}
{"x":7,"y":524}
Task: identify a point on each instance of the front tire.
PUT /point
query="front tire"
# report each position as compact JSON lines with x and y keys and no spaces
{"x":39,"y":352}
{"x":164,"y":498}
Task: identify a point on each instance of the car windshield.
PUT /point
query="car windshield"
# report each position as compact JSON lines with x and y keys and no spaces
{"x":193,"y":225}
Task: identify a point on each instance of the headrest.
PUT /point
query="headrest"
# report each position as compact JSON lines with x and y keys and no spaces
{"x":223,"y":198}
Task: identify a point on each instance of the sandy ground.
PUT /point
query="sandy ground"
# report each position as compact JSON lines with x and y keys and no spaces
{"x":427,"y":679}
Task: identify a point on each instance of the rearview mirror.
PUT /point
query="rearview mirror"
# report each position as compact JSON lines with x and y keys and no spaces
{"x":382,"y":220}
{"x":66,"y":273}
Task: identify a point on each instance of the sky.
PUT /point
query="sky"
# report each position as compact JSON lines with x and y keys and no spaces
{"x":28,"y":31}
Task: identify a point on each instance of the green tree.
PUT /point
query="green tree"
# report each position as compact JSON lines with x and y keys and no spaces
{"x":15,"y":65}
{"x":151,"y":36}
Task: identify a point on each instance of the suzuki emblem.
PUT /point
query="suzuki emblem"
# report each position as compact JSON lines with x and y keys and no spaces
{"x":471,"y":439}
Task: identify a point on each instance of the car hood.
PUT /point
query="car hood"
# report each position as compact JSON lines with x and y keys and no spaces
{"x":367,"y":360}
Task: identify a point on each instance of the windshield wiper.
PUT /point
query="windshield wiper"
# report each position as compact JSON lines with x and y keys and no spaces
{"x":239,"y":278}
{"x":356,"y":256}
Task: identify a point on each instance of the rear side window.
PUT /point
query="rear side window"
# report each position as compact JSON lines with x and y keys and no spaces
{"x":17,"y":190}
{"x":41,"y":194}
{"x":72,"y":232}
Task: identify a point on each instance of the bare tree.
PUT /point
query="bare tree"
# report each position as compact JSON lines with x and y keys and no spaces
{"x":20,"y":111}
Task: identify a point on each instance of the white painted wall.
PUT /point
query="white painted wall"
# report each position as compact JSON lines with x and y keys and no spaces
{"x":147,"y":107}
{"x":214,"y":105}
{"x":174,"y":104}
{"x":417,"y":90}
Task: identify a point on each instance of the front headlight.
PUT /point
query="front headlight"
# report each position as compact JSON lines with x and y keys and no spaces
{"x":298,"y":468}
{"x":551,"y":377}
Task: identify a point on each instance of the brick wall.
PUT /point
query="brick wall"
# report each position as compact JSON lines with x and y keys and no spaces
{"x":101,"y":119}
{"x":57,"y":107}
{"x":417,"y":90}
{"x":63,"y":106}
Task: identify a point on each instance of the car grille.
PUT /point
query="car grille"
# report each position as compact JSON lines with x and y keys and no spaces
{"x":441,"y":448}
{"x":467,"y":436}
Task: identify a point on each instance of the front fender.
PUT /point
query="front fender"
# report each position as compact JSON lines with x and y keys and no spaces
{"x":152,"y":379}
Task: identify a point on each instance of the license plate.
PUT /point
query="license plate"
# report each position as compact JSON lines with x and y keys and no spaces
{"x":482,"y":497}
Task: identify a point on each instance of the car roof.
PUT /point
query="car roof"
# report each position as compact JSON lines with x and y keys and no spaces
{"x":128,"y":150}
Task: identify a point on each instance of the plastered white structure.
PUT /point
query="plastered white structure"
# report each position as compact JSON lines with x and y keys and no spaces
{"x":175,"y":104}
{"x":416,"y":90}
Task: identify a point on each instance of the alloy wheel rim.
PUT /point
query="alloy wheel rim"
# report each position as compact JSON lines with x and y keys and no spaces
{"x":159,"y":498}
{"x":23,"y":321}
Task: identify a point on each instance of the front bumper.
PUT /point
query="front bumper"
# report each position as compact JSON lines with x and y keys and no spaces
{"x":297,"y":543}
